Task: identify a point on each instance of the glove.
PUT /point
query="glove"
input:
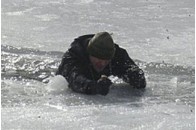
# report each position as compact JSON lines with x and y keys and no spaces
{"x":103,"y":85}
{"x":137,"y":79}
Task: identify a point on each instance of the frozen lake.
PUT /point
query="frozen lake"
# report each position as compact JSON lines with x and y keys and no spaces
{"x":158,"y":34}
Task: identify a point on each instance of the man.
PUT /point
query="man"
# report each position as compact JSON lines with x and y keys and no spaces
{"x":92,"y":58}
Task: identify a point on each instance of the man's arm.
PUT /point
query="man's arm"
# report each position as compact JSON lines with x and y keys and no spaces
{"x":132,"y":74}
{"x":72,"y":70}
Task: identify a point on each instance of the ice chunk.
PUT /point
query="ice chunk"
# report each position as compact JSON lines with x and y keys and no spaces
{"x":57,"y":84}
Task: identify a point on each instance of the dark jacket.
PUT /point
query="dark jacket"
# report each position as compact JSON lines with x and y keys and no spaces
{"x":78,"y":71}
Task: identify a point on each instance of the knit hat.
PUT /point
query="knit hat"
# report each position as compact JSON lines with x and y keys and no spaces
{"x":101,"y":46}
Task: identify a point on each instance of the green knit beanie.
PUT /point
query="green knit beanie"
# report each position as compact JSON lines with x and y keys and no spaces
{"x":101,"y":46}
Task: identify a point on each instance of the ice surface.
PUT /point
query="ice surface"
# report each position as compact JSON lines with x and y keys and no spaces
{"x":161,"y":106}
{"x":158,"y":33}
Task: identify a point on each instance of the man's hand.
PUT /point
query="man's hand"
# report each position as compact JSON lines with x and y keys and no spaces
{"x":103,"y":85}
{"x":137,"y":79}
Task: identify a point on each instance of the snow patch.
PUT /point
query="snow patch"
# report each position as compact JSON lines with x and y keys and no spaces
{"x":57,"y":84}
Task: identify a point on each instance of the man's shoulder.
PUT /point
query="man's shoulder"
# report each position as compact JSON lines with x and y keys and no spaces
{"x":81,"y":41}
{"x":119,"y":48}
{"x":84,"y":37}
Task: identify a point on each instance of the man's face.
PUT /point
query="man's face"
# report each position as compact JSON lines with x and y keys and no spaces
{"x":99,"y":64}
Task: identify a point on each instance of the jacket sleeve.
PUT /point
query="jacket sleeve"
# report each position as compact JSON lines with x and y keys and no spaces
{"x":132,"y":74}
{"x":72,"y":70}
